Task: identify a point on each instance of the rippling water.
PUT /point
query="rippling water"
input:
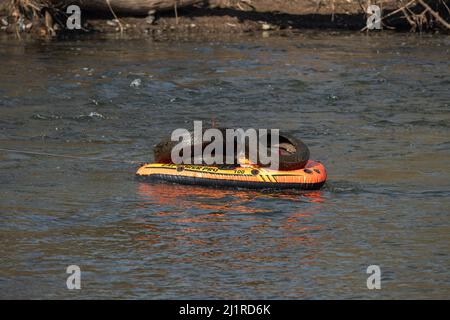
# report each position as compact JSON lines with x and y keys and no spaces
{"x":375,"y":110}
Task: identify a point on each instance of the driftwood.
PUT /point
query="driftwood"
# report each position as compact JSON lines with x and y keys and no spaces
{"x":140,"y":7}
{"x":420,"y":19}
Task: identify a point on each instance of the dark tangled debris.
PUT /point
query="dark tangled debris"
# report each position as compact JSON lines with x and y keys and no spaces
{"x":47,"y":18}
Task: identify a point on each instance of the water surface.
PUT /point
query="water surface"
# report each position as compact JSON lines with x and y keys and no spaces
{"x":375,"y":110}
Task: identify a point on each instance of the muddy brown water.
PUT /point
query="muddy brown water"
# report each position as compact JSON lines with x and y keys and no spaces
{"x":375,"y":110}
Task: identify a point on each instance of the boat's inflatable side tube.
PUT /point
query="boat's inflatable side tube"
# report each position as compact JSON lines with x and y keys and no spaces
{"x":312,"y":177}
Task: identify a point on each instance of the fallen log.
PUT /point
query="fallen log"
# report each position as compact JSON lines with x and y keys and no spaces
{"x":141,"y":7}
{"x":136,"y":7}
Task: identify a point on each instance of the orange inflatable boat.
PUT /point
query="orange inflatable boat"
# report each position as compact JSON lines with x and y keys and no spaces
{"x":311,"y":177}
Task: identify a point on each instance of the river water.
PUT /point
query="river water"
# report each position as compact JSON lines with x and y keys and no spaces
{"x":375,"y":110}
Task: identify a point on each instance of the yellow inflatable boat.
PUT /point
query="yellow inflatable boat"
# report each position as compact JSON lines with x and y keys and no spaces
{"x":311,"y":177}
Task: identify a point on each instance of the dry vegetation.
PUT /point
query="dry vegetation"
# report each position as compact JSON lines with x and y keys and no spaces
{"x":46,"y":17}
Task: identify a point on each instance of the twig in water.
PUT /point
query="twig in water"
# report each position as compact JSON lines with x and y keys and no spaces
{"x":393,"y":12}
{"x":36,"y":153}
{"x":115,"y":17}
{"x":332,"y":8}
{"x":448,"y":9}
{"x":176,"y":11}
{"x":435,"y":14}
{"x":410,"y":20}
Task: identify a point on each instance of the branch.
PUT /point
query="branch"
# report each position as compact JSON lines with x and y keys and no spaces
{"x":115,"y":16}
{"x":394,"y":12}
{"x":435,"y":14}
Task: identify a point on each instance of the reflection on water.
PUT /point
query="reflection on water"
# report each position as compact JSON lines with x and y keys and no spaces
{"x":198,"y":197}
{"x":220,"y":209}
{"x":227,"y":229}
{"x":375,"y":110}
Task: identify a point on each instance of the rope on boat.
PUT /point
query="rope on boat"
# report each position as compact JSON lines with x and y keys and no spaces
{"x":68,"y":156}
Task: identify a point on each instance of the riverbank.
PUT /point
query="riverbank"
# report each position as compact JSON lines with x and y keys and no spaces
{"x":225,"y":17}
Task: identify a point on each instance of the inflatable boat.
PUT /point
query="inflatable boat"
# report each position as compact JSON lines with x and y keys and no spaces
{"x":311,"y":177}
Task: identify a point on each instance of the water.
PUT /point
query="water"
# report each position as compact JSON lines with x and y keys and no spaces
{"x":375,"y":110}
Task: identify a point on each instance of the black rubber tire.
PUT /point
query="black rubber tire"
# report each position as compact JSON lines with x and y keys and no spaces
{"x":293,"y":161}
{"x":163,"y":151}
{"x":296,"y":160}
